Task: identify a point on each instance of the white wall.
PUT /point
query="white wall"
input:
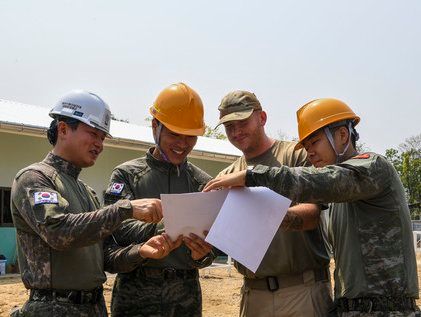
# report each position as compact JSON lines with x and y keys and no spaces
{"x":417,"y":241}
{"x":18,"y":151}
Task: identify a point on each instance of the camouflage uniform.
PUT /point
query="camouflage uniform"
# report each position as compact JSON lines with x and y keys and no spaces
{"x":370,"y":230}
{"x":59,"y":233}
{"x":290,"y":255}
{"x":166,"y":287}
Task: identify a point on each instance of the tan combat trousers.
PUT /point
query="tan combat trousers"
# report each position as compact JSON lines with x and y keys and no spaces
{"x":311,"y":299}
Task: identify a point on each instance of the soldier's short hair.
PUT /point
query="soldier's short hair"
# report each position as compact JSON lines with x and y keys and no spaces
{"x":345,"y":123}
{"x":52,"y":130}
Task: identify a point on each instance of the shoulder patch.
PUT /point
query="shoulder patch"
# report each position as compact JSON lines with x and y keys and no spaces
{"x":362,"y":156}
{"x":116,"y":188}
{"x":45,"y":198}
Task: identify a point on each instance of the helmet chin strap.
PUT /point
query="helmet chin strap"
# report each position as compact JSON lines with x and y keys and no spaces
{"x":340,"y":156}
{"x":157,"y":137}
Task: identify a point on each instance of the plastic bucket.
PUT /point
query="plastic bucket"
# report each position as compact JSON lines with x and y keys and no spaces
{"x":3,"y":267}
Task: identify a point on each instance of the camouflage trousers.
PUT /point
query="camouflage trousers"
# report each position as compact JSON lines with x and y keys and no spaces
{"x":407,"y":309}
{"x":60,"y":309}
{"x":137,"y":295}
{"x":378,"y":314}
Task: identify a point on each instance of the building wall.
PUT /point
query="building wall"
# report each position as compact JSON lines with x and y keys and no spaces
{"x":18,"y":151}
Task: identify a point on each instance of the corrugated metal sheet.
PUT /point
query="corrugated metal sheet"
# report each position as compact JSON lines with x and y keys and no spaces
{"x":25,"y":118}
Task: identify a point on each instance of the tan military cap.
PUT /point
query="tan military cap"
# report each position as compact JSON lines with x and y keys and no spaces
{"x":237,"y":105}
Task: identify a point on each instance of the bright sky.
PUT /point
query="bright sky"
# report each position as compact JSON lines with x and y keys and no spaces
{"x":365,"y":52}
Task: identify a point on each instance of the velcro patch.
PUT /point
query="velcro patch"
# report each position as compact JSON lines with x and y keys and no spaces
{"x":45,"y":198}
{"x":116,"y":188}
{"x":362,"y":156}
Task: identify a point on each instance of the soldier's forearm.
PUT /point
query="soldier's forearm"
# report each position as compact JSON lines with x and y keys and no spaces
{"x":82,"y":229}
{"x":301,"y":217}
{"x":121,"y":260}
{"x":292,"y":222}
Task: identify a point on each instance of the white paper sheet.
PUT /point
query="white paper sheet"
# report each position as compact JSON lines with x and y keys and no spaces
{"x":247,"y":223}
{"x":192,"y":212}
{"x":241,"y":222}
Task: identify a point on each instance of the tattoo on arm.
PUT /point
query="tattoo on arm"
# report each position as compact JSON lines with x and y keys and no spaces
{"x":292,"y":222}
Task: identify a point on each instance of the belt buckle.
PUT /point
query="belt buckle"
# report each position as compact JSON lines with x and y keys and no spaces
{"x":272,"y":283}
{"x":368,"y":306}
{"x":169,"y":273}
{"x":86,"y":297}
{"x":75,"y":297}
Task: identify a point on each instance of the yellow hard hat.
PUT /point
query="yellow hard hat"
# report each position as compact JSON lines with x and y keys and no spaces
{"x":319,"y":113}
{"x":180,"y":109}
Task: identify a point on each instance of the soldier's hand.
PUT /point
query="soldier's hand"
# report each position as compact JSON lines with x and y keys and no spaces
{"x":237,"y":179}
{"x":199,"y":248}
{"x":147,"y":210}
{"x":159,"y":246}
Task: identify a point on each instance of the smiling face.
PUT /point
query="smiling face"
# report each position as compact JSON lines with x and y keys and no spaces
{"x":175,"y":146}
{"x":247,"y":135}
{"x":80,"y":146}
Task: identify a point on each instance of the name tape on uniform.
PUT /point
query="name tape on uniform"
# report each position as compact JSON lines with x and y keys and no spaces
{"x":45,"y":198}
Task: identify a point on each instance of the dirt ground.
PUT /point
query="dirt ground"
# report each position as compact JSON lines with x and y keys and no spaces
{"x":221,"y":291}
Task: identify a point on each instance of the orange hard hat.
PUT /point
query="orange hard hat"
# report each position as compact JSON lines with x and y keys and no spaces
{"x":319,"y":113}
{"x":180,"y":109}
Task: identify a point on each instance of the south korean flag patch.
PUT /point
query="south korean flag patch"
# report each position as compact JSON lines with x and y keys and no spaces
{"x":116,"y":188}
{"x":45,"y":198}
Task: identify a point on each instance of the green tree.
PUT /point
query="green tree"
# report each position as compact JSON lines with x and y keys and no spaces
{"x":113,"y":117}
{"x":407,"y":162}
{"x":214,"y":133}
{"x":361,"y":147}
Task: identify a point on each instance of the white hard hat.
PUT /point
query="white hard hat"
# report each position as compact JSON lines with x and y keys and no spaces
{"x":86,"y":107}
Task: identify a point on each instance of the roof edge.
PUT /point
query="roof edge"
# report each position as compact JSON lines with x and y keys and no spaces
{"x":36,"y":131}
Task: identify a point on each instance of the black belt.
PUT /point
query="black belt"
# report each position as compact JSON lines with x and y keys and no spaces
{"x":273,"y":283}
{"x":168,"y":273}
{"x":67,"y":296}
{"x":378,"y":303}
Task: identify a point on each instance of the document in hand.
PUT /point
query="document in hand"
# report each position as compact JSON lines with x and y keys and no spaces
{"x":192,"y":212}
{"x":247,"y":223}
{"x":241,"y":222}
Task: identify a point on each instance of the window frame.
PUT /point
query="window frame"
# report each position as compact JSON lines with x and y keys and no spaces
{"x":3,"y":191}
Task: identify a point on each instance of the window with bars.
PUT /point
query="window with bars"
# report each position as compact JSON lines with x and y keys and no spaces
{"x":5,"y":213}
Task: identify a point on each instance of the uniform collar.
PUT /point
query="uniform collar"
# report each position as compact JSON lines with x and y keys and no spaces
{"x":262,"y":157}
{"x":62,"y":165}
{"x":163,"y":165}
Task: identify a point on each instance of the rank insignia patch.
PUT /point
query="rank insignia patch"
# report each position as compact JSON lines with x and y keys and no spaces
{"x":45,"y":198}
{"x":362,"y":156}
{"x":116,"y":188}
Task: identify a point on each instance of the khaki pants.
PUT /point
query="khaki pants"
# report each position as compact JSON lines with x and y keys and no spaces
{"x":311,"y":299}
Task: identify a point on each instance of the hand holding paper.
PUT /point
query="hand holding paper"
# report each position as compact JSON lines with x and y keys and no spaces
{"x":191,"y":212}
{"x":159,"y":246}
{"x":147,"y":209}
{"x":237,"y":179}
{"x":199,"y":248}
